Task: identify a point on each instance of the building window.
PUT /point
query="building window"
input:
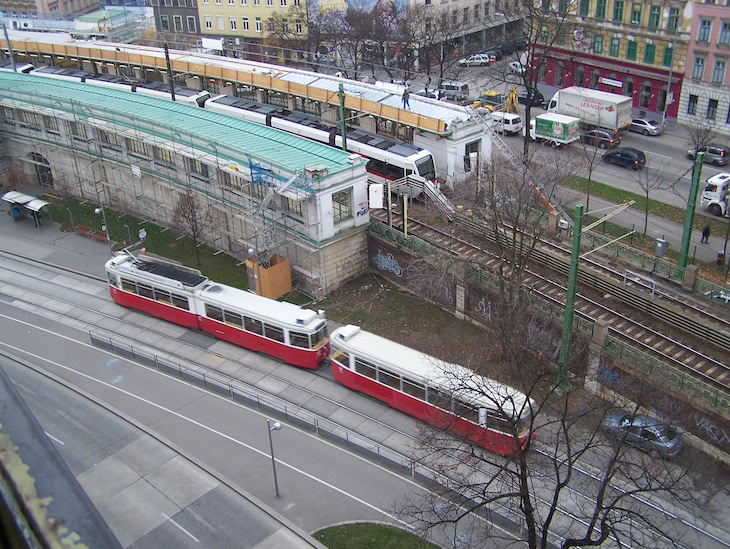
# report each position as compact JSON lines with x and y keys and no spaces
{"x":285,"y":26}
{"x":244,"y":2}
{"x":718,"y":73}
{"x":219,"y":22}
{"x":454,"y":17}
{"x":298,"y":27}
{"x":655,"y":15}
{"x":579,"y":75}
{"x":208,"y":24}
{"x":636,"y":14}
{"x":163,"y":155}
{"x":703,"y":33}
{"x":618,"y":10}
{"x":297,"y":3}
{"x":245,"y":23}
{"x":597,"y":43}
{"x":294,"y":206}
{"x":595,"y":77}
{"x":614,"y":47}
{"x":476,"y":13}
{"x":559,"y":72}
{"x":136,"y":146}
{"x":649,"y":53}
{"x":562,"y":7}
{"x":164,"y":23}
{"x":724,"y":34}
{"x":50,"y":123}
{"x":673,"y":19}
{"x":341,"y":205}
{"x":584,"y":7}
{"x":668,"y":57}
{"x":282,"y":3}
{"x":232,"y":21}
{"x":600,"y":9}
{"x":544,"y":34}
{"x":76,"y":129}
{"x":272,"y":26}
{"x":197,"y":167}
{"x":256,"y":2}
{"x":631,"y":51}
{"x":692,"y":105}
{"x":178,"y":23}
{"x":712,"y":109}
{"x":270,"y":3}
{"x":560,"y":38}
{"x":645,"y":94}
{"x":466,"y":16}
{"x":258,"y":24}
{"x":698,"y":69}
{"x":192,"y":25}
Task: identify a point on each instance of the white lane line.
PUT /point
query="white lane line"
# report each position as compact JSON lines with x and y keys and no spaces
{"x":198,"y":424}
{"x":181,"y":528}
{"x":54,"y":438}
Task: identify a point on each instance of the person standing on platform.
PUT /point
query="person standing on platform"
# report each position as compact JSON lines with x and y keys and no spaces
{"x":406,"y":97}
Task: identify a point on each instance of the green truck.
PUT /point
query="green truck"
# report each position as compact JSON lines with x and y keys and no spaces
{"x":555,"y":129}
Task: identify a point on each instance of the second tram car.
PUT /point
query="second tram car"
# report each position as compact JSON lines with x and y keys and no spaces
{"x":186,"y":297}
{"x":494,"y":416}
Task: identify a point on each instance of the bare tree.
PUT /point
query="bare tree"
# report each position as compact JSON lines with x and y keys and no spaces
{"x":191,"y":219}
{"x":649,"y":180}
{"x":701,"y":132}
{"x":545,"y":486}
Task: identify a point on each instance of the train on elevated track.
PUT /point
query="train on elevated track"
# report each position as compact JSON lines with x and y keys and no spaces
{"x":449,"y":396}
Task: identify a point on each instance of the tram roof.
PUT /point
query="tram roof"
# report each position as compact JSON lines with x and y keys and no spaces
{"x":159,"y":271}
{"x":280,"y":313}
{"x":167,"y":119}
{"x":418,"y":366}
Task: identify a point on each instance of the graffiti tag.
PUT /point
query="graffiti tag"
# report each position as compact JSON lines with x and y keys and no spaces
{"x":387,"y":263}
{"x":484,"y":309}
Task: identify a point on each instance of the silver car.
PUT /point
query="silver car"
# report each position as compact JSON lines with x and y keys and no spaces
{"x":644,"y":432}
{"x":646,"y":126}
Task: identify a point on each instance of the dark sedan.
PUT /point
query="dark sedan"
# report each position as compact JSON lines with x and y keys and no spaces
{"x":537,"y":100}
{"x":644,"y":432}
{"x":626,"y":157}
{"x":602,"y":138}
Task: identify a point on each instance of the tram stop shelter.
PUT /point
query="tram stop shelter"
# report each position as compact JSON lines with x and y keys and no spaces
{"x":24,"y":204}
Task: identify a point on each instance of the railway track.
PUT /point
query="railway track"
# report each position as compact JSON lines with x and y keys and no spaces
{"x":676,"y":350}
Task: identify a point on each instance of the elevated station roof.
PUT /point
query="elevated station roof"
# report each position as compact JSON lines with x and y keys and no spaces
{"x":186,"y":125}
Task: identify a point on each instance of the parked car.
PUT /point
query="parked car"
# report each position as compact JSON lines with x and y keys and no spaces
{"x":505,"y":46}
{"x":646,"y":126}
{"x":626,"y":157}
{"x":433,"y":94}
{"x":453,"y":90}
{"x":714,"y":154}
{"x":520,"y":44}
{"x":517,"y":68}
{"x":538,"y":100}
{"x":602,"y":138}
{"x":644,"y":432}
{"x":719,"y":295}
{"x":494,"y":52}
{"x":476,"y":60}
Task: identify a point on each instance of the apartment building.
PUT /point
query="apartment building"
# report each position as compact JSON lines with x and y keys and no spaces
{"x":637,"y":49}
{"x":705,"y":95}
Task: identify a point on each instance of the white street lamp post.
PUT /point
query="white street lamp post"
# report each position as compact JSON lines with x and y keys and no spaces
{"x":276,"y":427}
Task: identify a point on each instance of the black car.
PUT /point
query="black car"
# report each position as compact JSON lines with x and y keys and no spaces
{"x":505,"y":47}
{"x":602,"y":138}
{"x":494,"y":52}
{"x":626,"y":157}
{"x":537,"y":99}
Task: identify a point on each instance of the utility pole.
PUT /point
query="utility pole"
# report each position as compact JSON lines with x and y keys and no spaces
{"x":689,"y":218}
{"x":169,"y":73}
{"x":343,"y":126}
{"x":565,"y":341}
{"x":10,"y":48}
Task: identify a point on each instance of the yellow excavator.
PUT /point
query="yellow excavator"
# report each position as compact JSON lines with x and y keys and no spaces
{"x":495,"y":101}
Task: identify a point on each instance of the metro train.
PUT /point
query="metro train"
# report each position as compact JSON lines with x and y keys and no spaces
{"x":389,"y":160}
{"x":404,"y":378}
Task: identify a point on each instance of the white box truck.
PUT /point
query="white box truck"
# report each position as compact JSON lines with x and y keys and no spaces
{"x":597,"y":109}
{"x":555,"y":129}
{"x":715,"y":195}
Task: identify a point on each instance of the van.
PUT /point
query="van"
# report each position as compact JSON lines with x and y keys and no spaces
{"x":453,"y":90}
{"x":506,"y":122}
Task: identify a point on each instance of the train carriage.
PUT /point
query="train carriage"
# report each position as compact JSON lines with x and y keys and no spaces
{"x":488,"y":413}
{"x":186,"y":297}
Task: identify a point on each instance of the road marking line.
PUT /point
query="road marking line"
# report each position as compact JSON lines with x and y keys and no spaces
{"x":54,"y":439}
{"x":181,"y":528}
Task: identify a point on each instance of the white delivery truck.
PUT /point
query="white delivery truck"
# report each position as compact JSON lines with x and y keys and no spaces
{"x":596,"y":109}
{"x":714,"y":197}
{"x":555,"y":129}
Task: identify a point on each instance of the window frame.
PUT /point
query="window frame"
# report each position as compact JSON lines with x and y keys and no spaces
{"x":649,"y":53}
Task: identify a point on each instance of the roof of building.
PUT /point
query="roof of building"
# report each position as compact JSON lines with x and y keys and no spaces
{"x":217,"y":134}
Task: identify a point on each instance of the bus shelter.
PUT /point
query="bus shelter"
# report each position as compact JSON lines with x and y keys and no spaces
{"x":22,"y":205}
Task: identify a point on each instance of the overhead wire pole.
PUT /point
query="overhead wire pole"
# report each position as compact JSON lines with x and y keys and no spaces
{"x":565,"y":341}
{"x":689,"y":218}
{"x":343,"y":124}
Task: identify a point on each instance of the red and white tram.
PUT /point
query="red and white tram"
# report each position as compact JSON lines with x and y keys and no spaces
{"x":488,"y":413}
{"x":186,"y":297}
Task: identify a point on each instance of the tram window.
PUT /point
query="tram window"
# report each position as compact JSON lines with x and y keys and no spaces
{"x":253,"y":325}
{"x":376,"y":166}
{"x":274,"y":332}
{"x":233,"y":318}
{"x":364,"y":368}
{"x":112,"y":278}
{"x":161,"y":295}
{"x":389,"y":379}
{"x":145,"y":291}
{"x":299,"y":340}
{"x":341,"y":357}
{"x":498,"y":422}
{"x":439,"y":398}
{"x":216,"y":313}
{"x":319,"y":337}
{"x":394,"y":172}
{"x":181,"y":302}
{"x":129,"y":286}
{"x":414,"y":388}
{"x":466,"y":411}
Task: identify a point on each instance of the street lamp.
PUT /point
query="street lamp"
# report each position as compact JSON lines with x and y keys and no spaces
{"x":256,"y":271}
{"x":100,"y":210}
{"x":276,"y":427}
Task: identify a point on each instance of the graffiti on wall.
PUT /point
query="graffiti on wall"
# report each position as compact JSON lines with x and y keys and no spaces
{"x":484,"y":310}
{"x":387,"y":263}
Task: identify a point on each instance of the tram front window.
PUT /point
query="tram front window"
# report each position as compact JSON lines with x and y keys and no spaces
{"x":426,"y":168}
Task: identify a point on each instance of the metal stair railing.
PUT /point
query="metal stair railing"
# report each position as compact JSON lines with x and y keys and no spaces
{"x":517,"y":164}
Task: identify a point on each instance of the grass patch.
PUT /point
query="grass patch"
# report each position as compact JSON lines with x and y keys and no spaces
{"x":369,"y":536}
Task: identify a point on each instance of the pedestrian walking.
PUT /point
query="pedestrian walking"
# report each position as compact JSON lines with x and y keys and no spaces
{"x":406,"y":97}
{"x":705,"y":235}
